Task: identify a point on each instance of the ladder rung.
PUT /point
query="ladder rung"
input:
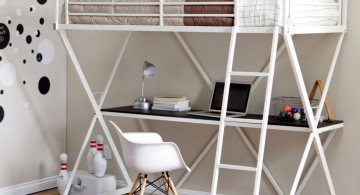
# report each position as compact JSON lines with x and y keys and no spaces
{"x":252,"y":74}
{"x":243,"y":120}
{"x":237,"y":167}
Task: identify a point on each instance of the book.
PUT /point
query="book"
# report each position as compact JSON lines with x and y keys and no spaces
{"x":171,"y":102}
{"x":183,"y":104}
{"x":172,"y":109}
{"x":170,"y":98}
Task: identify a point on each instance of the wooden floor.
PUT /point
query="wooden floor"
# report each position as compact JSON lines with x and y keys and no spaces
{"x":48,"y":192}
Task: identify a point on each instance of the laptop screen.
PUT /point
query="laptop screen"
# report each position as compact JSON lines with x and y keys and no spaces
{"x":238,"y":97}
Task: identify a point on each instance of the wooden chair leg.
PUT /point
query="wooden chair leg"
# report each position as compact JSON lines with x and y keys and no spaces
{"x":135,"y":184}
{"x":172,"y":186}
{"x":142,"y":190}
{"x":166,"y":184}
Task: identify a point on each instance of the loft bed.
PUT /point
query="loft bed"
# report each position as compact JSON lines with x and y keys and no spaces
{"x":278,"y":17}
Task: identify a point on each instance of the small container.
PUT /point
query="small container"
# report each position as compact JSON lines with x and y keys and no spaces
{"x":278,"y":104}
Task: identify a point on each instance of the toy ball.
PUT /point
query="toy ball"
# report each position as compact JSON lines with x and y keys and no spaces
{"x":302,"y":111}
{"x":282,"y":115}
{"x":287,"y":108}
{"x":289,"y":115}
{"x":303,"y":117}
{"x":294,"y":110}
{"x":297,"y":116}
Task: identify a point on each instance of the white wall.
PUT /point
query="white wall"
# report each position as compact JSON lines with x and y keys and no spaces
{"x":97,"y":52}
{"x":33,"y":126}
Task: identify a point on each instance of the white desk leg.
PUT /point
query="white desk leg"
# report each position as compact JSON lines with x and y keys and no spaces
{"x":314,"y":164}
{"x":302,"y":163}
{"x":321,"y":154}
{"x":314,"y":135}
{"x":96,"y":110}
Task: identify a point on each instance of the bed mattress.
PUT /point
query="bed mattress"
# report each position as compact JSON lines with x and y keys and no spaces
{"x":252,"y":13}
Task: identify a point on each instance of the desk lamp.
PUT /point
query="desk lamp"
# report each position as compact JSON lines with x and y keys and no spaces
{"x":142,"y":102}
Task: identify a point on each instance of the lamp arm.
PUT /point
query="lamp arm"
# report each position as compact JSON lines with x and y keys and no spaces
{"x":142,"y":86}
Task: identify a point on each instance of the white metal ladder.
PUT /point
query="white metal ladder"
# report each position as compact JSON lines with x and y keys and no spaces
{"x":264,"y":122}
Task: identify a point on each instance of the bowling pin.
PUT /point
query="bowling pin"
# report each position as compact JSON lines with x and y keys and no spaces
{"x":99,"y":158}
{"x":91,"y":153}
{"x":63,"y":177}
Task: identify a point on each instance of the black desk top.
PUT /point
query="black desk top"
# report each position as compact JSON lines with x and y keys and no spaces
{"x":273,"y":120}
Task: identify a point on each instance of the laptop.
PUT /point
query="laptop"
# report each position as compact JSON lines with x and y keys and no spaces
{"x":238,"y":101}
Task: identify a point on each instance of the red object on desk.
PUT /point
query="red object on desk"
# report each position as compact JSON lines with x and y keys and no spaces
{"x":287,"y":108}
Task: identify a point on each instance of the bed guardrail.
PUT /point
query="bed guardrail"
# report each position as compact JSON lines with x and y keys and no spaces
{"x":288,"y":15}
{"x":161,"y":3}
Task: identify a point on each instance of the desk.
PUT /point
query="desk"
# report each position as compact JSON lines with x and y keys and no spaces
{"x":274,"y":124}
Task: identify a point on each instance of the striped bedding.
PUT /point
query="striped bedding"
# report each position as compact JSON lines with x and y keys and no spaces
{"x":251,"y":13}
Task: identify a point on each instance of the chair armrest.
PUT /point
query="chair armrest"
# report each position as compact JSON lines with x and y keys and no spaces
{"x":143,"y":137}
{"x":156,"y":157}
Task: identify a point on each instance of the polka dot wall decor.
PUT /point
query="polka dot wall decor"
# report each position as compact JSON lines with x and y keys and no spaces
{"x":22,"y":36}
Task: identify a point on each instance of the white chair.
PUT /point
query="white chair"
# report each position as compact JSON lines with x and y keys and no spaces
{"x":146,"y":153}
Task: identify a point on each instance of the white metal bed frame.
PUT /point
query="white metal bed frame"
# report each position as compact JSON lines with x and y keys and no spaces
{"x":287,"y":29}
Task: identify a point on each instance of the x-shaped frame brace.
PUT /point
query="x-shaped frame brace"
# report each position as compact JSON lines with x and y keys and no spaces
{"x":312,"y":119}
{"x":97,"y":109}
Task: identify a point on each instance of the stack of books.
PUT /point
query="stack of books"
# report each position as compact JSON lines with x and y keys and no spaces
{"x":171,"y":103}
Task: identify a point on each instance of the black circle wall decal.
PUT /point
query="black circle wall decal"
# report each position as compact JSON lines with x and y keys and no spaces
{"x":1,"y":92}
{"x":44,"y":85}
{"x":10,"y":44}
{"x":32,"y":51}
{"x":24,"y":61}
{"x":20,"y":28}
{"x":42,"y":21}
{"x":32,"y":8}
{"x":39,"y":57}
{"x":28,"y":39}
{"x":2,"y":114}
{"x":41,"y":2}
{"x":9,"y":22}
{"x":37,"y":34}
{"x":24,"y":82}
{"x":0,"y":58}
{"x":4,"y":36}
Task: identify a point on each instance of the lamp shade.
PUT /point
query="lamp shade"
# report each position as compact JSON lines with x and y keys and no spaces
{"x":149,"y":69}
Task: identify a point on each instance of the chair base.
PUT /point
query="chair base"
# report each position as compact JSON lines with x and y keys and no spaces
{"x":142,"y":182}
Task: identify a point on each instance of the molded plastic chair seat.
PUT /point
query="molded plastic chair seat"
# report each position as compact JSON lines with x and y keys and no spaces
{"x":147,"y":153}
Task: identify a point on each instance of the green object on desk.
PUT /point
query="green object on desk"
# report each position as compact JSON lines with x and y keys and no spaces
{"x":282,"y":115}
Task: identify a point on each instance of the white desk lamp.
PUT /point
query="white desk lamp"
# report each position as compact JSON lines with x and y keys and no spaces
{"x":143,"y":102}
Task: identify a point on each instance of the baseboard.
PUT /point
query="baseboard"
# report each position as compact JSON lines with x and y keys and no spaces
{"x":121,"y":184}
{"x":50,"y":182}
{"x":30,"y":187}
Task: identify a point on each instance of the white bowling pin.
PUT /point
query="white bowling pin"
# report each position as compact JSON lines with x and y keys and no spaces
{"x":91,"y":153}
{"x":63,"y":177}
{"x":99,"y":158}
